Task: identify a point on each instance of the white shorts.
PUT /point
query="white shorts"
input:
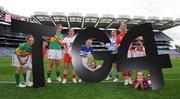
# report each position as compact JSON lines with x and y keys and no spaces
{"x":139,"y":54}
{"x":16,"y":63}
{"x":84,"y":61}
{"x":55,"y":54}
{"x":129,"y":55}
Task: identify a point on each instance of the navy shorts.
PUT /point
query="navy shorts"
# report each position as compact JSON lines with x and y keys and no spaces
{"x":114,"y":58}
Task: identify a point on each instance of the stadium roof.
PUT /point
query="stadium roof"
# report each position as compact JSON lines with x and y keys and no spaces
{"x":178,"y":46}
{"x":106,"y":22}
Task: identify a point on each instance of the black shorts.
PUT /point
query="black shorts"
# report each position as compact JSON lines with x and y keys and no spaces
{"x":114,"y":58}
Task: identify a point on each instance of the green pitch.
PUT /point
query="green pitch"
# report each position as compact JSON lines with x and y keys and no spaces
{"x":102,"y":90}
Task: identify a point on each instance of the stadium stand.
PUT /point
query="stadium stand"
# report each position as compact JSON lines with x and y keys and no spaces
{"x":6,"y":52}
{"x":172,"y":53}
{"x":162,"y":40}
{"x":75,"y":20}
{"x":178,"y":48}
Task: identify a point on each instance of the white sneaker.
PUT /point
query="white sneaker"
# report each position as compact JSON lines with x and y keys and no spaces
{"x":64,"y":81}
{"x":29,"y":84}
{"x":149,"y":82}
{"x":74,"y":80}
{"x":126,"y":82}
{"x":130,"y":81}
{"x":59,"y":79}
{"x":115,"y":80}
{"x":49,"y":80}
{"x":79,"y":80}
{"x":108,"y":78}
{"x":21,"y":85}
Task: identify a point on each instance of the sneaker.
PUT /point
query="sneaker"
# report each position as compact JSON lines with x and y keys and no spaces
{"x":21,"y":85}
{"x":79,"y":80}
{"x":149,"y":82}
{"x":130,"y":81}
{"x":49,"y":80}
{"x":74,"y":80}
{"x":29,"y":84}
{"x":58,"y":79}
{"x":126,"y":82}
{"x":108,"y":78}
{"x":64,"y":81}
{"x":115,"y":80}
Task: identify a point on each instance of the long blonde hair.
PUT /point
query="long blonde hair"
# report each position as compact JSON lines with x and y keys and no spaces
{"x":123,"y":24}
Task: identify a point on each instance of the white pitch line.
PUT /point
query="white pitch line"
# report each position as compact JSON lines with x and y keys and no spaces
{"x":55,"y":82}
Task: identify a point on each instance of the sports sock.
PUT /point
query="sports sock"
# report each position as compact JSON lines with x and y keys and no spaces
{"x":74,"y":75}
{"x":64,"y":76}
{"x":28,"y":73}
{"x":24,"y":76}
{"x":117,"y":76}
{"x":110,"y":74}
{"x":57,"y":73}
{"x":49,"y":74}
{"x":17,"y":79}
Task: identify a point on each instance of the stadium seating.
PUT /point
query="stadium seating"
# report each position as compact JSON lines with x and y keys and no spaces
{"x":106,"y":22}
{"x":6,"y":52}
{"x":172,"y":53}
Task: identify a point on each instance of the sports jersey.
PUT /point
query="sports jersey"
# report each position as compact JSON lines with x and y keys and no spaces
{"x":85,"y":51}
{"x":69,"y":42}
{"x":130,"y":51}
{"x":23,"y":50}
{"x":112,"y":46}
{"x":139,"y":52}
{"x":54,"y":43}
{"x":145,"y":83}
{"x":120,"y":37}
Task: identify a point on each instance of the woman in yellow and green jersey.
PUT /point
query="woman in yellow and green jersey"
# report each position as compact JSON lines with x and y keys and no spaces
{"x":22,"y":60}
{"x":55,"y":53}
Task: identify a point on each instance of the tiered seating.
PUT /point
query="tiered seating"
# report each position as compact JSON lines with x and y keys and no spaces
{"x":172,"y":53}
{"x":6,"y":52}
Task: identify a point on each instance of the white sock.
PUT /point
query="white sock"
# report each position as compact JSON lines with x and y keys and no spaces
{"x":28,"y":73}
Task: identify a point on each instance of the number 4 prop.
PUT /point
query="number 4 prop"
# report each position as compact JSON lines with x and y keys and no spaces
{"x":152,"y":61}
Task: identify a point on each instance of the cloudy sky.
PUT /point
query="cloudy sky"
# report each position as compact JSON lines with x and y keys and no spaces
{"x":159,"y":8}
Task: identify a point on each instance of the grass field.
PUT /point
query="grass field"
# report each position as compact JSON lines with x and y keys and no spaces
{"x":102,"y":90}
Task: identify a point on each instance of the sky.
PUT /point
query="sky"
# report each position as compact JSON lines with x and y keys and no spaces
{"x":146,"y":8}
